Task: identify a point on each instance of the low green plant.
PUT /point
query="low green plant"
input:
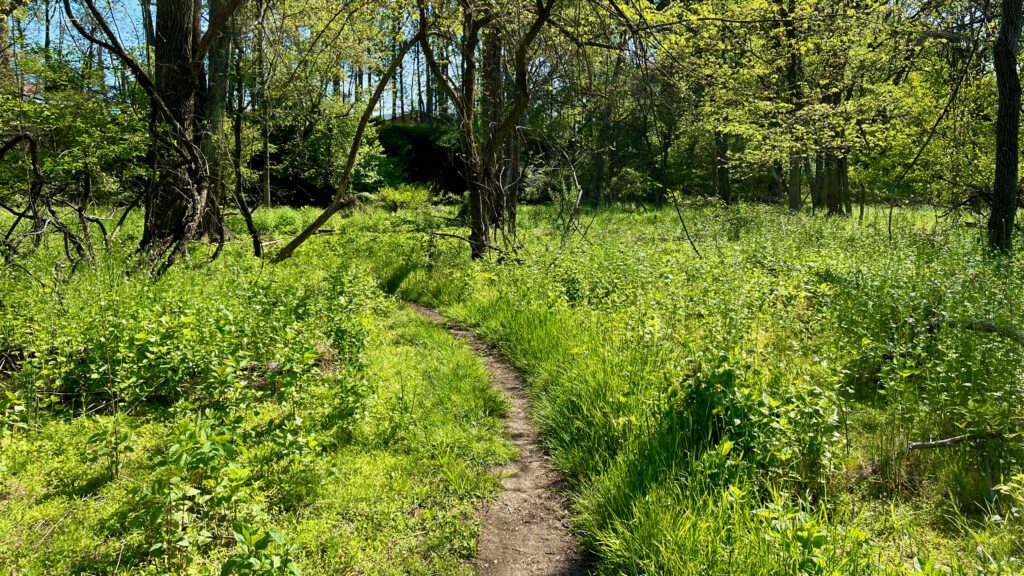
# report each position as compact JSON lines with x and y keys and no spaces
{"x":749,"y":409}
{"x":261,"y":554}
{"x":231,"y":416}
{"x":404,"y":196}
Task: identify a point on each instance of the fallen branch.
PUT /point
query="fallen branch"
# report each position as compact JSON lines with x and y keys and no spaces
{"x":1002,"y":330}
{"x":344,"y":196}
{"x":685,"y":229}
{"x":955,"y":440}
{"x":969,"y":437}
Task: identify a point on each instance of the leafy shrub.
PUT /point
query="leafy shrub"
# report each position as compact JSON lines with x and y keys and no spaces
{"x":630,"y":185}
{"x":404,"y":196}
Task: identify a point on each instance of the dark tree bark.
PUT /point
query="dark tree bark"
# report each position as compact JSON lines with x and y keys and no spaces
{"x":216,"y":111}
{"x":1004,"y":199}
{"x":492,"y":104}
{"x":832,"y":184}
{"x":793,"y":92}
{"x":148,"y":28}
{"x":722,"y":176}
{"x":488,"y":199}
{"x":177,"y":207}
{"x":844,"y":185}
{"x":236,"y":125}
{"x":817,"y":181}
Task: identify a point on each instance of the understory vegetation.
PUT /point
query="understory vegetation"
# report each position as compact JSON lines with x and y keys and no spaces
{"x":752,"y":410}
{"x":235,"y":418}
{"x":758,"y":260}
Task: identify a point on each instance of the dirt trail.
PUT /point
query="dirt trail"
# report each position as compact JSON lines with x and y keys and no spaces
{"x":525,"y":530}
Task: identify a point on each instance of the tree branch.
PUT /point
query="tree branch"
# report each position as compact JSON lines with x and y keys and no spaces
{"x":344,"y":196}
{"x":215,"y":28}
{"x":1007,"y":332}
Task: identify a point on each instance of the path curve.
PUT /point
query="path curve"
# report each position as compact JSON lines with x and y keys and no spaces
{"x":525,"y":530}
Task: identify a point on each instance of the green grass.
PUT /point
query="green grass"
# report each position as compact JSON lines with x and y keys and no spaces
{"x":742,"y":413}
{"x":236,"y":416}
{"x":748,"y":411}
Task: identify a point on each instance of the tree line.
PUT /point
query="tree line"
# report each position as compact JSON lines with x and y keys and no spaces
{"x":185,"y":109}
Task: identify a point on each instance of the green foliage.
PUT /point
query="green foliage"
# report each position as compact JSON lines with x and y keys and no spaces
{"x":236,"y":418}
{"x":632,"y":186}
{"x":749,"y":411}
{"x":263,"y":554}
{"x":404,"y":196}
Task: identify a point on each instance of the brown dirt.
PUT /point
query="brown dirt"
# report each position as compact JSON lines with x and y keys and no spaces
{"x":525,"y":530}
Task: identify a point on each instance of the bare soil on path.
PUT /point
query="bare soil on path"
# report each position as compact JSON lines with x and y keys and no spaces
{"x":525,"y":531}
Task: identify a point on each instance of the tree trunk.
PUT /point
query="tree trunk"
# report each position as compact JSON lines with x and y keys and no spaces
{"x":818,"y":181}
{"x":1004,"y":200}
{"x":722,"y":178}
{"x":216,"y":110}
{"x":492,"y":104}
{"x":264,"y":103}
{"x":177,"y":205}
{"x":777,"y":186}
{"x":861,"y":201}
{"x":795,"y":192}
{"x":5,"y":54}
{"x":482,"y":155}
{"x":431,"y":104}
{"x":148,"y":31}
{"x":793,"y":91}
{"x":831,"y":184}
{"x":236,"y":125}
{"x":843,"y":170}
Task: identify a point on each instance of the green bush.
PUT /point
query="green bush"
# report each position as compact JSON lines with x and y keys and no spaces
{"x":404,"y":196}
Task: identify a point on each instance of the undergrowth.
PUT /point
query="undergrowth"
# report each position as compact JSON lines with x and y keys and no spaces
{"x":750,"y":410}
{"x":235,"y":418}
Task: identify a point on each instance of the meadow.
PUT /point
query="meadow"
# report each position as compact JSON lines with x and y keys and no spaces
{"x":746,"y":404}
{"x":764,"y":406}
{"x":235,"y":418}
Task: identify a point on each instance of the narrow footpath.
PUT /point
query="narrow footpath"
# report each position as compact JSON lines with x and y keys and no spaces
{"x":525,"y":530}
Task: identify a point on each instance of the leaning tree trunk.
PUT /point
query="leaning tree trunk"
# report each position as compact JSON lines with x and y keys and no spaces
{"x":1004,"y":200}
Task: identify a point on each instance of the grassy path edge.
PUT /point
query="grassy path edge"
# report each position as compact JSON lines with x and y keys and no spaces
{"x":526,"y":529}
